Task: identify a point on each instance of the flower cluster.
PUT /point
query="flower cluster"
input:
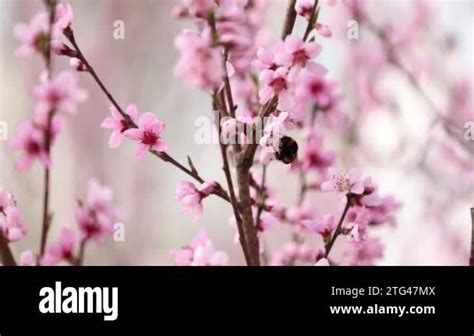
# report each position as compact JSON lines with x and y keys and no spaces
{"x":97,"y":215}
{"x":11,"y":220}
{"x":35,"y":137}
{"x":200,"y":252}
{"x":146,"y":131}
{"x":191,"y":197}
{"x":95,"y":218}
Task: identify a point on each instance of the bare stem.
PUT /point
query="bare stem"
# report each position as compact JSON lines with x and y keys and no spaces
{"x":311,"y":22}
{"x":6,"y":255}
{"x":338,"y":230}
{"x":82,"y":251}
{"x":261,"y":196}
{"x":220,"y":104}
{"x":290,"y":19}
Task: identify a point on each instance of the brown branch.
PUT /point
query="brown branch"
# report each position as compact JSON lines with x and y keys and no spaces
{"x":46,"y":219}
{"x":471,"y":261}
{"x":262,"y":194}
{"x":245,"y":206}
{"x":245,"y":160}
{"x":220,"y":105}
{"x":338,"y":230}
{"x":192,"y":172}
{"x":311,"y":21}
{"x":290,"y":19}
{"x":82,"y":250}
{"x":6,"y":255}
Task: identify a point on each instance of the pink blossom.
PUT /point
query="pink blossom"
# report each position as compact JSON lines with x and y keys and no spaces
{"x":191,"y":197}
{"x":275,"y":129}
{"x":60,"y":48}
{"x":198,"y":8}
{"x":117,"y":123}
{"x":365,"y":252}
{"x":97,"y":216}
{"x":384,"y":211}
{"x":292,"y":254}
{"x":61,"y":250}
{"x":200,"y":64}
{"x":369,"y":196}
{"x":342,"y":182}
{"x":323,"y":226}
{"x":323,"y":30}
{"x":358,"y":216}
{"x":11,"y":224}
{"x":296,"y":52}
{"x":31,"y":140}
{"x":315,"y":88}
{"x":148,"y":134}
{"x":275,"y":84}
{"x":77,"y":64}
{"x":314,"y":156}
{"x":304,"y":8}
{"x":27,"y":258}
{"x":266,"y":57}
{"x":322,"y":262}
{"x":64,"y":16}
{"x":60,"y":93}
{"x":201,"y":252}
{"x":297,"y":215}
{"x":268,"y":149}
{"x":33,"y":37}
{"x":6,"y":200}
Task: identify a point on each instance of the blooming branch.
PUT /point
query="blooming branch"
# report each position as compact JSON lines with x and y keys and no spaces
{"x":191,"y":171}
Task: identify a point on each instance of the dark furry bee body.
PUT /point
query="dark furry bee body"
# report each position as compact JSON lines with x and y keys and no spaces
{"x":287,"y":151}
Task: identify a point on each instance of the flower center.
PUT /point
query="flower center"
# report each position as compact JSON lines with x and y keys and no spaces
{"x":54,"y":97}
{"x":149,"y":138}
{"x":316,"y":87}
{"x":124,"y":125}
{"x":300,"y":57}
{"x":342,"y":182}
{"x":278,"y":84}
{"x":32,"y":147}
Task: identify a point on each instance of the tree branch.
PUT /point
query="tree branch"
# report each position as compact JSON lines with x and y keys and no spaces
{"x":161,"y":155}
{"x":46,"y":219}
{"x":220,"y":105}
{"x":338,"y":230}
{"x":6,"y":255}
{"x":290,"y":19}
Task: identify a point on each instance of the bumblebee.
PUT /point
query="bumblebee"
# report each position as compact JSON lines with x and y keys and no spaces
{"x":287,"y":150}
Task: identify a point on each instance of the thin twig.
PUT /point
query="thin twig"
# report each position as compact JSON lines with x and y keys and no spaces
{"x":6,"y":255}
{"x":162,"y":155}
{"x":261,"y":197}
{"x":290,"y":19}
{"x":338,"y":230}
{"x":46,"y":220}
{"x":311,"y":22}
{"x":82,"y":251}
